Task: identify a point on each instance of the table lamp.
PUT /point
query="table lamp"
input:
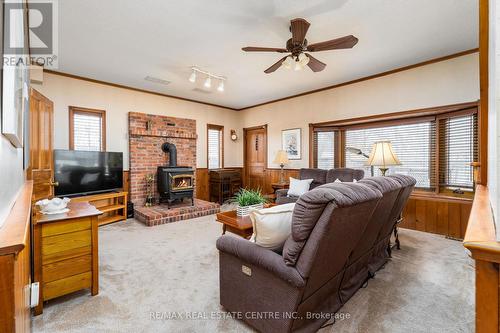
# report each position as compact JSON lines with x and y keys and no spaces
{"x":383,"y":156}
{"x":281,"y":159}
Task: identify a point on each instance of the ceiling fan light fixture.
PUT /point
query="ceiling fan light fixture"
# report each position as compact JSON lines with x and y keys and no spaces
{"x":303,"y":59}
{"x":288,"y":63}
{"x":208,"y":82}
{"x":297,"y":66}
{"x":220,"y":88}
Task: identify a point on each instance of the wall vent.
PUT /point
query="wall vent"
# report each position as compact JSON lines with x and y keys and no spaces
{"x":202,"y":91}
{"x":156,"y":80}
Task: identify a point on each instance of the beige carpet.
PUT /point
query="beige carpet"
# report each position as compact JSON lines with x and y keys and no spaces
{"x":173,"y":269}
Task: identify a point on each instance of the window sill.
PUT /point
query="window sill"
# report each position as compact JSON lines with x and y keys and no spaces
{"x":423,"y":195}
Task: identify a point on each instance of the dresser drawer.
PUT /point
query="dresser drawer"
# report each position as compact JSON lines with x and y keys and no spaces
{"x":65,"y":227}
{"x":67,"y":285}
{"x":66,"y":242}
{"x":66,"y":268}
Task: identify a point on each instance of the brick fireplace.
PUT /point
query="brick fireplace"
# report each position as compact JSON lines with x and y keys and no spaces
{"x":147,"y":134}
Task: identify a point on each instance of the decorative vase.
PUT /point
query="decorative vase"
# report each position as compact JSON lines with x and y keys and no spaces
{"x":245,"y":210}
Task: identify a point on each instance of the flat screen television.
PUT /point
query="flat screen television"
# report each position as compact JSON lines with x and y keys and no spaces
{"x":87,"y":172}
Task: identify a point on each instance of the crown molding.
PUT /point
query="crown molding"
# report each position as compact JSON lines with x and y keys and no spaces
{"x":338,"y":85}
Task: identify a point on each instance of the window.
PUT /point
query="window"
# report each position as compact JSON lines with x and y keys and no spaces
{"x":87,"y":129}
{"x":436,"y":146}
{"x":215,"y":146}
{"x":324,"y":145}
{"x":458,"y":151}
{"x":413,"y":144}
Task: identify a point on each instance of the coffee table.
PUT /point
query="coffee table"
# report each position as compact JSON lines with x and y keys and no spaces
{"x":238,"y":225}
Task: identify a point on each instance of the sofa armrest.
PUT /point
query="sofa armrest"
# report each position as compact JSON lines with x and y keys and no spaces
{"x":263,"y":258}
{"x":283,"y":192}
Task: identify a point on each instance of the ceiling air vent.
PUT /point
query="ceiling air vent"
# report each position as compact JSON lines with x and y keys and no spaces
{"x":202,"y":91}
{"x":156,"y":80}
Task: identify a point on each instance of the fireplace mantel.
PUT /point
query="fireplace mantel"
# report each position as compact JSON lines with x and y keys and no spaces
{"x":174,"y":133}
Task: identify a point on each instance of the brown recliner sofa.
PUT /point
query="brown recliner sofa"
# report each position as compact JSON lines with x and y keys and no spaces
{"x":320,"y":177}
{"x":340,"y":235}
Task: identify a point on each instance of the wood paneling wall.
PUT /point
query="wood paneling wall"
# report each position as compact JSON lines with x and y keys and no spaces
{"x":443,"y":216}
{"x":201,"y":184}
{"x":273,"y":176}
{"x":126,"y":183}
{"x":15,"y":267}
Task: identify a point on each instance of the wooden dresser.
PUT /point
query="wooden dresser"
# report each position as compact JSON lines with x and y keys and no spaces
{"x":66,"y":252}
{"x":224,"y":183}
{"x":15,"y":267}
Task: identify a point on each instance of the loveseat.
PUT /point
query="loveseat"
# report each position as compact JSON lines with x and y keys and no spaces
{"x":320,"y":177}
{"x":340,"y":236}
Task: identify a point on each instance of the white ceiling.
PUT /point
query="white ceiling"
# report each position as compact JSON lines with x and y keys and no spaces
{"x":123,"y":41}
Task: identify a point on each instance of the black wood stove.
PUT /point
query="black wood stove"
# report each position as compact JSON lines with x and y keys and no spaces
{"x":174,"y":182}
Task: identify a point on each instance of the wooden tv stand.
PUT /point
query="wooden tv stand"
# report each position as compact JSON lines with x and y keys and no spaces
{"x":113,"y":205}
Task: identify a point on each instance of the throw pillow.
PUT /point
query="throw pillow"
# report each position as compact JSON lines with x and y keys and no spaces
{"x":299,"y":186}
{"x":272,"y":226}
{"x":354,"y":180}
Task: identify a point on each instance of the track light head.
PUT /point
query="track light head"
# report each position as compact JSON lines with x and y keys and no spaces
{"x":208,"y":82}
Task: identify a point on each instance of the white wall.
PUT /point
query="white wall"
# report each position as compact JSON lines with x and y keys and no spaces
{"x":493,"y":112}
{"x":442,"y":83}
{"x":11,"y":176}
{"x":117,"y":102}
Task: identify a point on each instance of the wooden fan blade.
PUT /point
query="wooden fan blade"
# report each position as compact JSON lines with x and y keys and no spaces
{"x":345,"y":42}
{"x":314,"y":64}
{"x":263,"y":49}
{"x":299,"y":28}
{"x":275,"y":66}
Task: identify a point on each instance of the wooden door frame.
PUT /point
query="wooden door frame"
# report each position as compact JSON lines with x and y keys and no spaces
{"x":245,"y":169}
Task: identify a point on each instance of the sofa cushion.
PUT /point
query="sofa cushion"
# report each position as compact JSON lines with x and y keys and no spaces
{"x":299,"y":186}
{"x":272,"y":226}
{"x":317,"y":175}
{"x":310,"y":207}
{"x":344,"y":175}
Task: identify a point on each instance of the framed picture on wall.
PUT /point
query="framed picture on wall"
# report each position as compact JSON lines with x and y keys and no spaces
{"x":15,"y":80}
{"x":291,"y":142}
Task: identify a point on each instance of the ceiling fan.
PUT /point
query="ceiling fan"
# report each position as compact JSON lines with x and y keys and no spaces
{"x":297,"y":46}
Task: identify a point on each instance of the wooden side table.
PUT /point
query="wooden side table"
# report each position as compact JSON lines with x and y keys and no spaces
{"x":279,"y":186}
{"x":65,"y":252}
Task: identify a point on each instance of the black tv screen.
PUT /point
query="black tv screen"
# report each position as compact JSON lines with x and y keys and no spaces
{"x":86,"y":172}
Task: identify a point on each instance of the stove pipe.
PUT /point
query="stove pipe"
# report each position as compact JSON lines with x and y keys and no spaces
{"x":171,"y":149}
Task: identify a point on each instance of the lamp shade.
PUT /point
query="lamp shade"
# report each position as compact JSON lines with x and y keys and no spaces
{"x":281,"y":157}
{"x":382,"y":155}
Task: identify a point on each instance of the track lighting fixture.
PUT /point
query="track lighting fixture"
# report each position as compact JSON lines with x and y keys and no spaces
{"x":192,"y":77}
{"x":208,"y":81}
{"x":221,"y":86}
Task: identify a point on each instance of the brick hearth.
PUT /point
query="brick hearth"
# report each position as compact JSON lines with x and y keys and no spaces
{"x":160,"y":214}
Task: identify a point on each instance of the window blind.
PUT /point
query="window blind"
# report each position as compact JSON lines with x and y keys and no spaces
{"x":324,"y":149}
{"x":214,"y":148}
{"x":459,"y":148}
{"x":413,"y":144}
{"x":87,"y":131}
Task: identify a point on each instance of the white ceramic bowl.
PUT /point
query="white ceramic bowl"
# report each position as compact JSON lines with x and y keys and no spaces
{"x":53,"y":205}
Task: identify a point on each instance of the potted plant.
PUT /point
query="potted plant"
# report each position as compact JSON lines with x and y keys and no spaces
{"x":247,"y":200}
